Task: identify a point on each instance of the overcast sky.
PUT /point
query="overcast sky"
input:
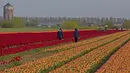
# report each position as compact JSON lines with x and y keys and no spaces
{"x":74,"y":8}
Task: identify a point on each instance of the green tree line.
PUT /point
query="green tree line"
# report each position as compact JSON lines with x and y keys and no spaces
{"x":14,"y":23}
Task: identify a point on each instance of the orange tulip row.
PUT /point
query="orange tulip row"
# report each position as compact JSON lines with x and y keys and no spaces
{"x":34,"y":67}
{"x":82,"y":64}
{"x":119,"y":62}
{"x":72,"y":45}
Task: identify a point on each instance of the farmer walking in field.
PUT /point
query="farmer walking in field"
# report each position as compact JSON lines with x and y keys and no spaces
{"x":98,"y":28}
{"x":60,"y":34}
{"x":106,"y":27}
{"x":121,"y":28}
{"x":76,"y":35}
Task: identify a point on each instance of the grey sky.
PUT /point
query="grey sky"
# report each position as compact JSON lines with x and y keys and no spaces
{"x":86,"y":8}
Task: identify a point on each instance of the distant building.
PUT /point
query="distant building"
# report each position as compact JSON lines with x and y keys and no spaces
{"x":8,"y":11}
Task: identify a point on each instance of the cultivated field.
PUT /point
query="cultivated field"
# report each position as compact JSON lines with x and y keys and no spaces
{"x":103,"y":54}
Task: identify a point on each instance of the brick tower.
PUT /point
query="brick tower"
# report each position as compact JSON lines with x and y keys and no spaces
{"x":8,"y":11}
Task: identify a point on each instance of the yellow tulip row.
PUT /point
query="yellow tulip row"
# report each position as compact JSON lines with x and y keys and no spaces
{"x":119,"y":62}
{"x":85,"y":62}
{"x":43,"y":63}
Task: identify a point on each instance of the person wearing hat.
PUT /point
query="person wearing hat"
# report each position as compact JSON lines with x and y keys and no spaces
{"x":76,"y":35}
{"x":60,"y":34}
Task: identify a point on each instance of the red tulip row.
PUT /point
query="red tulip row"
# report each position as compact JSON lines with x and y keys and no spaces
{"x":24,"y":38}
{"x":27,"y":41}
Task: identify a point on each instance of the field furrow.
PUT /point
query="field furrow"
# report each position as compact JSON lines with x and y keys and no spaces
{"x":119,"y":62}
{"x":86,"y":62}
{"x":45,"y":63}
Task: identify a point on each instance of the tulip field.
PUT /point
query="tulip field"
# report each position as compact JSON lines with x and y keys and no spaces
{"x":119,"y":62}
{"x":96,"y":52}
{"x":20,"y":42}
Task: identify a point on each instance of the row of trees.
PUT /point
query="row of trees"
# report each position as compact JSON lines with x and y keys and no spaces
{"x":17,"y":22}
{"x":125,"y":25}
{"x":32,"y":23}
{"x":74,"y":24}
{"x":71,"y":24}
{"x":14,"y":23}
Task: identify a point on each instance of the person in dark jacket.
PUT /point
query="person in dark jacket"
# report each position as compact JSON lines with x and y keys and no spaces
{"x":121,"y":28}
{"x":76,"y":35}
{"x":60,"y":34}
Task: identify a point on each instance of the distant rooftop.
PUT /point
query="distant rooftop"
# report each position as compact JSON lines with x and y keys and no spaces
{"x":8,"y":4}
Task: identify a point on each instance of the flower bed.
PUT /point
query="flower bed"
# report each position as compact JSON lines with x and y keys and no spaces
{"x":27,"y":41}
{"x":119,"y":62}
{"x":87,"y":62}
{"x":55,"y":59}
{"x":67,"y":46}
